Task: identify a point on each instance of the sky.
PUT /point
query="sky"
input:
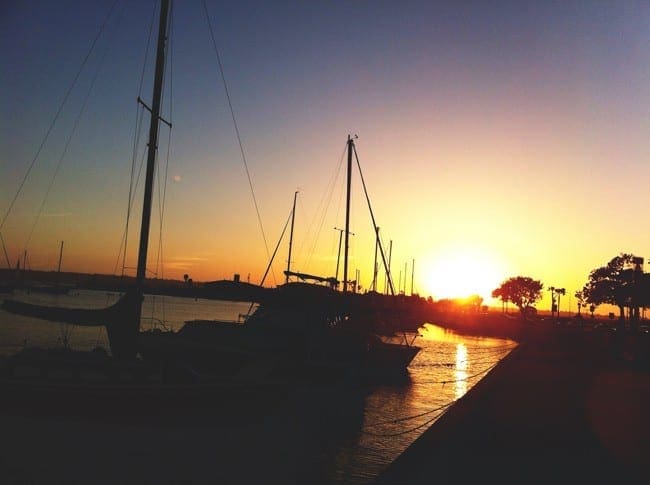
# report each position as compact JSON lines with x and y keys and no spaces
{"x":496,"y":139}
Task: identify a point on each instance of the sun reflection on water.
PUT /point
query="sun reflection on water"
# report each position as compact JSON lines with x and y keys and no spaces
{"x":461,"y":370}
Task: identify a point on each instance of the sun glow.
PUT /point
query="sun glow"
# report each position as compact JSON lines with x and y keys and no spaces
{"x":460,"y":273}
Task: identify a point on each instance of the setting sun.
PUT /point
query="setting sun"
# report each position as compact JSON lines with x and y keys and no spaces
{"x":461,"y":272}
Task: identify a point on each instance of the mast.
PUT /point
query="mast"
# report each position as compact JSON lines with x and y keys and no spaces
{"x":376,"y":268}
{"x":388,"y":275}
{"x":58,"y":270}
{"x":124,"y":324}
{"x":293,"y":216}
{"x":347,"y":216}
{"x":153,"y":144}
{"x":60,"y":257}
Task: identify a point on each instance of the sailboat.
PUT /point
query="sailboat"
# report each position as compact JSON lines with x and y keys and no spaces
{"x":57,"y":288}
{"x":122,"y":320}
{"x":120,"y":380}
{"x":299,"y":329}
{"x":304,"y":328}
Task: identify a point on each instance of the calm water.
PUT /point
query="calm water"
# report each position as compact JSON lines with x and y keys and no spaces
{"x":345,"y":436}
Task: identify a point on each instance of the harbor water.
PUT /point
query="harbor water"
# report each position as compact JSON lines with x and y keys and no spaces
{"x":346,"y":435}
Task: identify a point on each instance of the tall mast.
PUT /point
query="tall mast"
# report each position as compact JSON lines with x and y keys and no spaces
{"x":60,"y":257}
{"x":153,"y":143}
{"x":347,"y":216}
{"x":58,"y":270}
{"x":376,"y":268}
{"x":293,"y":216}
{"x":388,"y":274}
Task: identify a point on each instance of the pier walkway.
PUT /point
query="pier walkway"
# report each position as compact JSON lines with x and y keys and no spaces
{"x":570,"y":404}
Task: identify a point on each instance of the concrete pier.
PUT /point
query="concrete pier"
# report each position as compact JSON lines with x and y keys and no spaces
{"x":570,"y":404}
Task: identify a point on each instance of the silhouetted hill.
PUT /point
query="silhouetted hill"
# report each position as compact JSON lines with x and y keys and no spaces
{"x":221,"y":290}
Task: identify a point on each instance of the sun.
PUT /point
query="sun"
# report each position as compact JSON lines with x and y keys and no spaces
{"x":462,"y":272}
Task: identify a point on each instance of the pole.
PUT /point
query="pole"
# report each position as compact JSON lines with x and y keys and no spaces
{"x":412,"y":275}
{"x":356,"y":279}
{"x":390,"y":257}
{"x":60,"y":257}
{"x":153,"y":144}
{"x":347,"y":216}
{"x":58,"y":270}
{"x":293,"y":216}
{"x":4,"y":248}
{"x":374,"y":277}
{"x":338,"y":254}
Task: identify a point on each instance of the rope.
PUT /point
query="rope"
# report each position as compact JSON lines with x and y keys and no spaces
{"x":161,"y":200}
{"x":139,"y":114}
{"x":467,"y":378}
{"x":234,"y":120}
{"x":322,"y":205}
{"x":372,"y":216}
{"x":442,"y":409}
{"x":4,"y":248}
{"x":410,"y":430}
{"x":72,"y":132}
{"x":58,"y":113}
{"x":407,"y":418}
{"x":132,"y":199}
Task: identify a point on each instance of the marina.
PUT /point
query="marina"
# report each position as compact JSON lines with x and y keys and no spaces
{"x":182,"y":341}
{"x":345,"y":432}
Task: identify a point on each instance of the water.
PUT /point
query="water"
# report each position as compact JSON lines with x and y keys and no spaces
{"x":345,"y":435}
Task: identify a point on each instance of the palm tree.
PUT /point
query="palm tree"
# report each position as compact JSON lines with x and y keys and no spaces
{"x":552,"y":290}
{"x":581,"y":300}
{"x":558,"y":292}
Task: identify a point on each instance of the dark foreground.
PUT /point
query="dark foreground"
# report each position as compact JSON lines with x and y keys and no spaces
{"x":571,"y":403}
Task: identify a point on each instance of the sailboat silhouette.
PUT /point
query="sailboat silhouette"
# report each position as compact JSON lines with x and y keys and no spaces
{"x":122,"y":320}
{"x":298,"y":328}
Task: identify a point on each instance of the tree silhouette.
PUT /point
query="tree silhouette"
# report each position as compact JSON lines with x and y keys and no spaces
{"x":558,"y":292}
{"x":523,"y":291}
{"x":621,"y":282}
{"x":581,"y":299}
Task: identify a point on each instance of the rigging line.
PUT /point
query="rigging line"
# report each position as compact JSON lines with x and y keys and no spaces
{"x":372,"y":216}
{"x":4,"y":248}
{"x":139,"y":114}
{"x":136,"y":142}
{"x":276,"y":248}
{"x":322,"y":205}
{"x":74,"y":130}
{"x":159,"y":257}
{"x":162,"y":197}
{"x":234,"y":120}
{"x":58,"y":113}
{"x":124,"y":240}
{"x":137,"y":181}
{"x":286,"y":224}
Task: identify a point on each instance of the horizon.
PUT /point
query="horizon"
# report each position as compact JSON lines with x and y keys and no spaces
{"x":495,"y":141}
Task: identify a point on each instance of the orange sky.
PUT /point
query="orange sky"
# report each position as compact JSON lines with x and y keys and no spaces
{"x":492,"y":145}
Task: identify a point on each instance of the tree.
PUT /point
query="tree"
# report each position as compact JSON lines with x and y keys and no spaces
{"x":523,"y":291}
{"x":558,"y":292}
{"x":580,"y":298}
{"x":621,"y":282}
